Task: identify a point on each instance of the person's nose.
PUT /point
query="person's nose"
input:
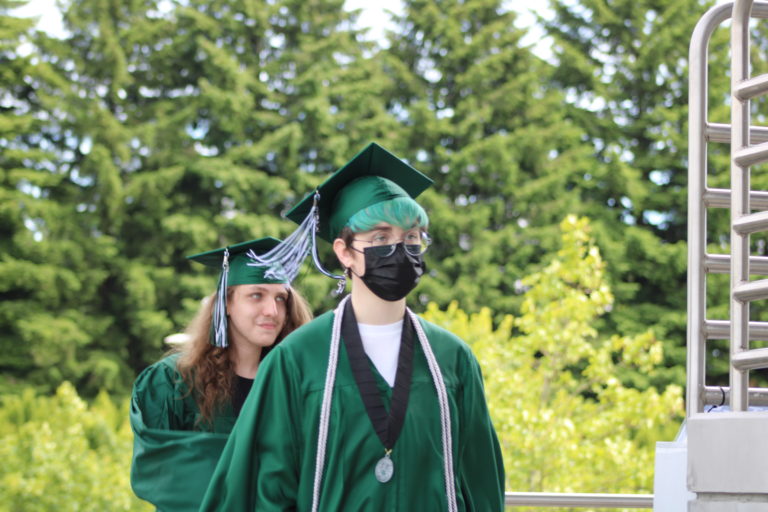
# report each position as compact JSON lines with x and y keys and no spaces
{"x":270,"y":308}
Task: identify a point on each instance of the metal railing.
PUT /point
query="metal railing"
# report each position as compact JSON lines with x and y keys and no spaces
{"x":740,"y":199}
{"x":743,"y":221}
{"x":550,"y":499}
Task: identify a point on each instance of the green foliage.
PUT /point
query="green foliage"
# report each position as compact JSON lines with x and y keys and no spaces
{"x":624,"y":67}
{"x":51,"y":269}
{"x":565,"y":419}
{"x":153,"y":130}
{"x":479,"y":118}
{"x":62,"y":454}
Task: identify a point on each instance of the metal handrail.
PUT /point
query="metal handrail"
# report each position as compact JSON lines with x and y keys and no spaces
{"x":697,"y":207}
{"x":554,"y":499}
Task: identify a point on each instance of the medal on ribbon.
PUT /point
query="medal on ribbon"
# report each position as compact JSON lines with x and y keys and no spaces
{"x":384,"y":469}
{"x":386,"y":425}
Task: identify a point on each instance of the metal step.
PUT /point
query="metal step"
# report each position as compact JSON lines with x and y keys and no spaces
{"x":751,"y":155}
{"x":721,"y":330}
{"x":715,"y":395}
{"x":750,"y":359}
{"x":721,"y":198}
{"x":718,"y":132}
{"x":751,"y":223}
{"x":721,"y":264}
{"x":752,"y":87}
{"x":751,"y":290}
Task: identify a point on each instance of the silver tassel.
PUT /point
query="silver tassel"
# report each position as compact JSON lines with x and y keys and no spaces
{"x":284,"y":261}
{"x":218,"y":336}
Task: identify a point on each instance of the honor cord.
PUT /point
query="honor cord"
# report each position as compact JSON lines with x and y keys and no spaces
{"x":325,"y":410}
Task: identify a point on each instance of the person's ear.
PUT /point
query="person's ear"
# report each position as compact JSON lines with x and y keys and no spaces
{"x":342,"y":253}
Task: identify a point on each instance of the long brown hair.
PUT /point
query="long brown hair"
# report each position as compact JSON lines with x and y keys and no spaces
{"x":207,"y":370}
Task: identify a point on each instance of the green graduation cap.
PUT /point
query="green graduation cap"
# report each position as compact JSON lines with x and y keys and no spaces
{"x":374,"y":175}
{"x":244,"y":267}
{"x":239,"y":264}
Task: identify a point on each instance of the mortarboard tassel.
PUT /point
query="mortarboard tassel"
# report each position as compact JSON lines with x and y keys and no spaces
{"x":218,"y":334}
{"x":284,"y":261}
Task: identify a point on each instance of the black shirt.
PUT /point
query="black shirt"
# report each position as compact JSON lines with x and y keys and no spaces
{"x":240,"y":388}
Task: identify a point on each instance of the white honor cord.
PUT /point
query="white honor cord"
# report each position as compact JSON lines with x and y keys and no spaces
{"x":325,"y":410}
{"x":445,"y":413}
{"x":442,"y":395}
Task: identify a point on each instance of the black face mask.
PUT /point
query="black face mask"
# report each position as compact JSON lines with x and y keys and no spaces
{"x":392,"y":277}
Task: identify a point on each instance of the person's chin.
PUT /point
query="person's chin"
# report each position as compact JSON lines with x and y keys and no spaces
{"x":266,"y":338}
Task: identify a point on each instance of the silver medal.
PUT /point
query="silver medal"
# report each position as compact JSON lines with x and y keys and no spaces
{"x":384,"y":469}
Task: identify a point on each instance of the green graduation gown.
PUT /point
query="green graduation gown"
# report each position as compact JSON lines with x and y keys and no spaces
{"x":174,"y":455}
{"x":268,"y":463}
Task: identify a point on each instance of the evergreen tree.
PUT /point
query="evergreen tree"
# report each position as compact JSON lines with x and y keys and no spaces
{"x":178,"y":128}
{"x":50,"y":264}
{"x":480,"y":120}
{"x":623,"y":65}
{"x":17,"y":192}
{"x":94,"y":141}
{"x":280,"y":95}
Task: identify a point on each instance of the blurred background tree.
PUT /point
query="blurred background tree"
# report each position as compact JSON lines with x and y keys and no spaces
{"x":480,"y":118}
{"x":566,"y":423}
{"x":60,"y":453}
{"x":152,"y":130}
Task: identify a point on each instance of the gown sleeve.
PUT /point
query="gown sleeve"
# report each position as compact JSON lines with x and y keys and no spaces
{"x":259,"y":468}
{"x":480,"y":464}
{"x":171,"y":463}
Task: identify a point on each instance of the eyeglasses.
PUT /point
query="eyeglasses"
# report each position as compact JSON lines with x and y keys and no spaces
{"x":384,"y":245}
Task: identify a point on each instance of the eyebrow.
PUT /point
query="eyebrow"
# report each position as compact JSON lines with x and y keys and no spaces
{"x":262,"y":289}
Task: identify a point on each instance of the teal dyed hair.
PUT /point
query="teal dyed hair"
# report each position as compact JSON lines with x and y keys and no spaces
{"x":403,"y":212}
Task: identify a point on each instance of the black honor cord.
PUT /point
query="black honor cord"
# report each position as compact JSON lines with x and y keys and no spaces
{"x":387,"y":426}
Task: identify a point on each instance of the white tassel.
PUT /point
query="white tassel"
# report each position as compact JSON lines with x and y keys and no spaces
{"x":284,"y":261}
{"x":219,"y":321}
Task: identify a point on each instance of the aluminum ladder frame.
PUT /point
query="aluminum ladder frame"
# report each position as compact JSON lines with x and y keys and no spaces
{"x":701,"y":197}
{"x":727,"y":452}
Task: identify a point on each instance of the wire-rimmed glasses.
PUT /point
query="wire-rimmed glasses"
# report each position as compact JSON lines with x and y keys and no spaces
{"x":383,"y":245}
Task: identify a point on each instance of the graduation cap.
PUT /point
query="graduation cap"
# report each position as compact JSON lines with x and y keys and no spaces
{"x":239,"y":264}
{"x":372,"y":176}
